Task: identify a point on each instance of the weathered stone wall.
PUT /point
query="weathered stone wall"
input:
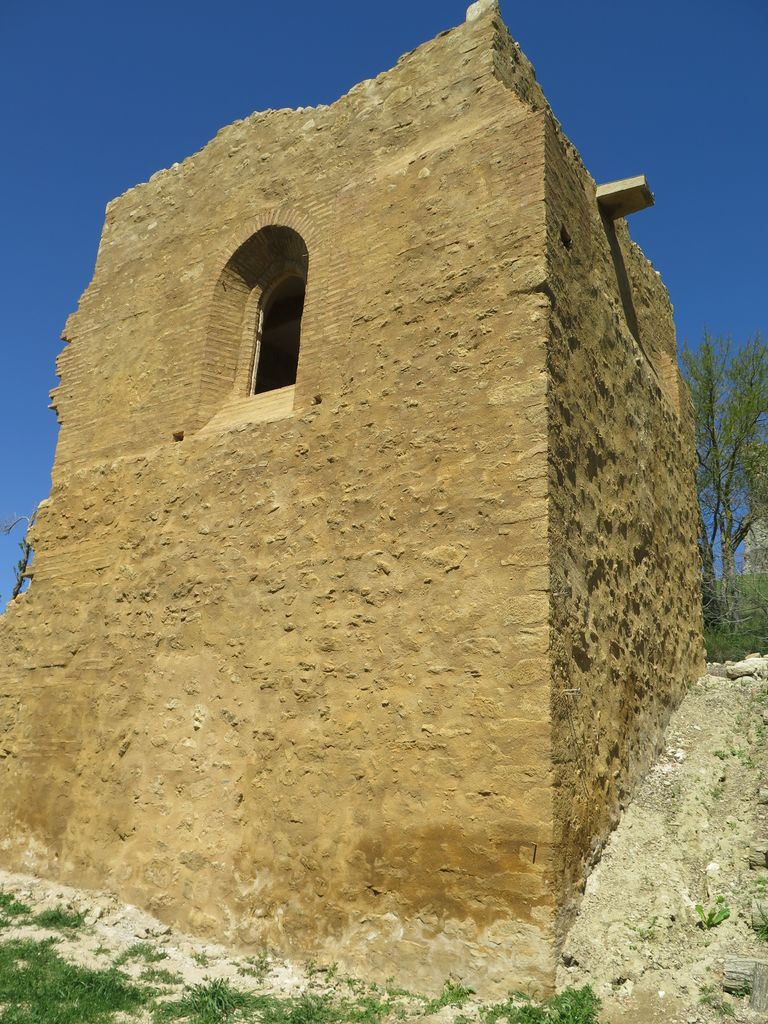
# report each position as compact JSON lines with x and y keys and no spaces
{"x":625,"y":612}
{"x":290,"y":682}
{"x":286,"y":683}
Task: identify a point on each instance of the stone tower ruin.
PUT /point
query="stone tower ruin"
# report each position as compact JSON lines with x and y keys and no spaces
{"x":368,"y":578}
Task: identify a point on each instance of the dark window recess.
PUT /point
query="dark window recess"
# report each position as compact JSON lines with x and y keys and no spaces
{"x":280,"y":337}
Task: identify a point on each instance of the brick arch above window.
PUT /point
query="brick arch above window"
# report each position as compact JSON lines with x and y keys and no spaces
{"x":264,"y":252}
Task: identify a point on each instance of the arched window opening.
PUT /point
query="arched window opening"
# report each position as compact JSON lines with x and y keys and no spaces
{"x":279,"y":337}
{"x":255,"y":325}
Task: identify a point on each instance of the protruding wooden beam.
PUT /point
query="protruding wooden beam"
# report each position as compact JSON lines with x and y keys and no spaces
{"x":620,"y":198}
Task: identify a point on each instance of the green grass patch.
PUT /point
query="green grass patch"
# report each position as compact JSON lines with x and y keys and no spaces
{"x":216,"y":1002}
{"x":211,"y":1002}
{"x":256,"y":966}
{"x":712,"y":996}
{"x":574,"y":1006}
{"x":371,"y":1008}
{"x":38,"y":987}
{"x":160,"y":976}
{"x":453,"y":994}
{"x":11,"y":907}
{"x":761,"y":927}
{"x":12,"y":910}
{"x":307,"y":1009}
{"x":61,"y":918}
{"x":141,"y":951}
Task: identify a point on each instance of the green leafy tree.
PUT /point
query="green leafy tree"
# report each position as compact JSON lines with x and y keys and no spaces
{"x":729,"y":388}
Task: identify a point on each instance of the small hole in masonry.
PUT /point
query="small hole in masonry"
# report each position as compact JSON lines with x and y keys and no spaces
{"x":317,"y":400}
{"x":565,"y":238}
{"x":178,"y":435}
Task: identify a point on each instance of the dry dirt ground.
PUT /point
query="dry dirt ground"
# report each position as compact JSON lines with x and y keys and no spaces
{"x":683,"y":841}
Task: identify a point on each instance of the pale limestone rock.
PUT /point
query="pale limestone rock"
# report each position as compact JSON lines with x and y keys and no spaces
{"x":755,"y":667}
{"x":479,"y":8}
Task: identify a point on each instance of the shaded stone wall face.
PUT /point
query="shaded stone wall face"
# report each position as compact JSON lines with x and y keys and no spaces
{"x":286,"y":683}
{"x":625,"y":611}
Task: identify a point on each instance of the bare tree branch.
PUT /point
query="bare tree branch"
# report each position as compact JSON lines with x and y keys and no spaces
{"x":22,"y":566}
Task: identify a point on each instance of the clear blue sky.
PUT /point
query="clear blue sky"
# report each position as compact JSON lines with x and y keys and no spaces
{"x":96,"y":95}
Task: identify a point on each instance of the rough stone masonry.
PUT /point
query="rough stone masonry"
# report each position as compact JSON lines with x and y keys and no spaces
{"x":359,"y":656}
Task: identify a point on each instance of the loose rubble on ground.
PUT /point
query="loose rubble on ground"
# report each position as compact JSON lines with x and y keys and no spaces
{"x":694,"y":835}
